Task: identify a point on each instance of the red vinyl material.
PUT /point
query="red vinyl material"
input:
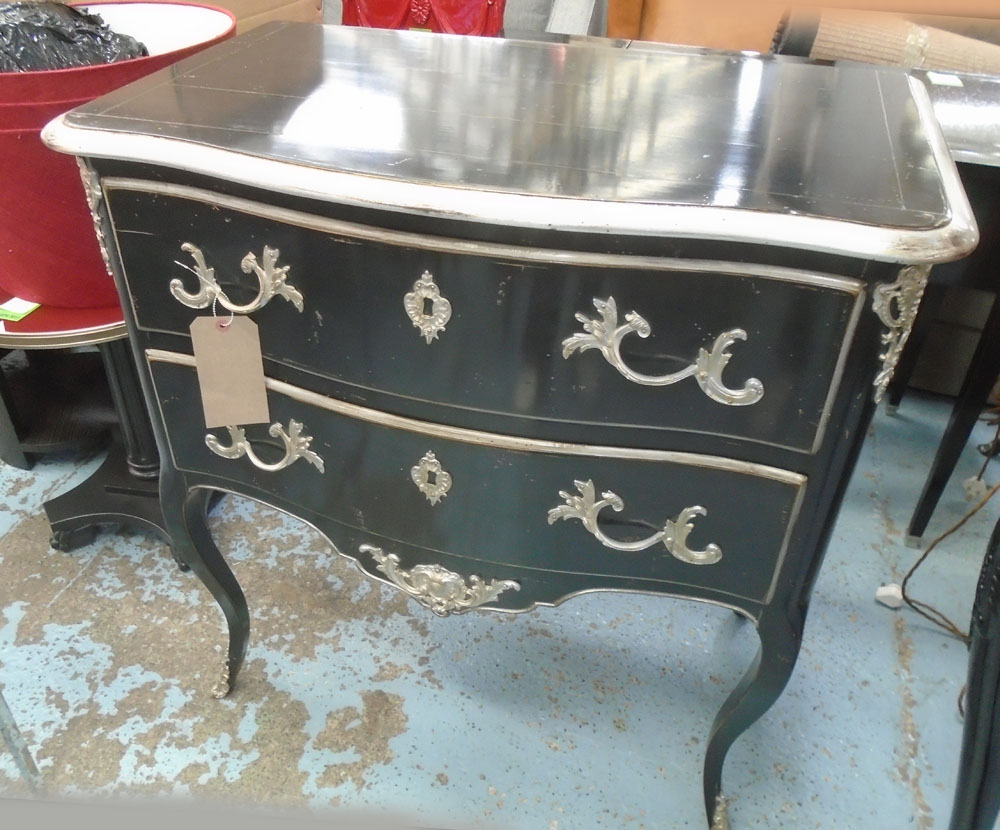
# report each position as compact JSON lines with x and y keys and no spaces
{"x":48,"y":250}
{"x":462,"y":17}
{"x":76,"y":325}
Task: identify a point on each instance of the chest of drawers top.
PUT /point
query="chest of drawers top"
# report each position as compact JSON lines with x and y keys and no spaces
{"x":572,"y":137}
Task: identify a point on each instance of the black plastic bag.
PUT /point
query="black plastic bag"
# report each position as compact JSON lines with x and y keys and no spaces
{"x":37,"y":36}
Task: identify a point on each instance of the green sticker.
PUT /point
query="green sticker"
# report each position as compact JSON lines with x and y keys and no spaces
{"x":17,"y":309}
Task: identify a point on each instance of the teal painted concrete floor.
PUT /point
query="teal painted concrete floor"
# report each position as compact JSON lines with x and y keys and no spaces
{"x":591,"y":715}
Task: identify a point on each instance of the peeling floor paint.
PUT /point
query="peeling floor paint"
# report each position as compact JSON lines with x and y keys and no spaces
{"x":591,"y":715}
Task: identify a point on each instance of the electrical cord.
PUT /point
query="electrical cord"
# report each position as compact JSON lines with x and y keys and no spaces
{"x":929,"y":611}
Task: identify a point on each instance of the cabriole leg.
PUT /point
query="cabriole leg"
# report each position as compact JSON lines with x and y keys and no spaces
{"x":184,"y":512}
{"x":758,"y":689}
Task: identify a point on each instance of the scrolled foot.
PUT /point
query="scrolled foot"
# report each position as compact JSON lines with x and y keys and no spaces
{"x":720,"y":816}
{"x":224,"y":686}
{"x":178,"y":560}
{"x":68,"y":540}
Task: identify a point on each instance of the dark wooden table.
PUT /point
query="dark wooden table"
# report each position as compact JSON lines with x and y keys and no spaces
{"x":124,"y":489}
{"x":968,"y":109}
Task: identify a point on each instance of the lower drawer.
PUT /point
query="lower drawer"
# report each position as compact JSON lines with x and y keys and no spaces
{"x":676,"y":521}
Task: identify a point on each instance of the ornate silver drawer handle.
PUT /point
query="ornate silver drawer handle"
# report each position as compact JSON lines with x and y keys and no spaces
{"x":271,"y":279}
{"x":605,"y":334}
{"x":442,"y":591}
{"x":585,"y":507}
{"x":432,"y":321}
{"x":431,"y":478}
{"x":296,"y":447}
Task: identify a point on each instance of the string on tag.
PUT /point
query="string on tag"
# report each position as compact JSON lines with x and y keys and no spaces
{"x":222,"y":324}
{"x":219,"y":323}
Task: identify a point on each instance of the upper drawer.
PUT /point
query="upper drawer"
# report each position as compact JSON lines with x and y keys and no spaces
{"x":744,"y":351}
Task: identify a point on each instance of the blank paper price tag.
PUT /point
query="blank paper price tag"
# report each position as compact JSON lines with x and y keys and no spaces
{"x":230,"y":371}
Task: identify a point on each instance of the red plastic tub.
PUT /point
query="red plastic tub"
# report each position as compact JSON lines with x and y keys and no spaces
{"x":48,"y":250}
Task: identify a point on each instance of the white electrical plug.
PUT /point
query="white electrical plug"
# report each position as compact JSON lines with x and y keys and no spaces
{"x":890,"y":595}
{"x":975,"y":488}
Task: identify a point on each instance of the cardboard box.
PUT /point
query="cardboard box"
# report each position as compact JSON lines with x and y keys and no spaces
{"x":739,"y":24}
{"x":251,"y":13}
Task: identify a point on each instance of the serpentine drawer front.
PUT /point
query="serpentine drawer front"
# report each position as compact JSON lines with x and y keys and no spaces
{"x":534,"y":493}
{"x":536,"y":319}
{"x":577,"y":338}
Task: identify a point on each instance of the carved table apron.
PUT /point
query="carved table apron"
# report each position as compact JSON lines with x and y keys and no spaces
{"x":633,"y":308}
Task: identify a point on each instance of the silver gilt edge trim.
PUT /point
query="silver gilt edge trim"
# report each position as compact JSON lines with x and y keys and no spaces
{"x":92,"y":189}
{"x":500,"y":441}
{"x":446,"y":244}
{"x":939,"y":243}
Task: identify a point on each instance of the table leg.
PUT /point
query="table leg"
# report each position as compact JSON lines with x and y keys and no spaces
{"x":977,"y":792}
{"x":11,"y":451}
{"x":978,"y":787}
{"x":930,"y":306}
{"x":125,"y":489}
{"x":759,"y":688}
{"x":979,"y":380}
{"x":137,"y":431}
{"x":18,"y":748}
{"x":185,"y":512}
